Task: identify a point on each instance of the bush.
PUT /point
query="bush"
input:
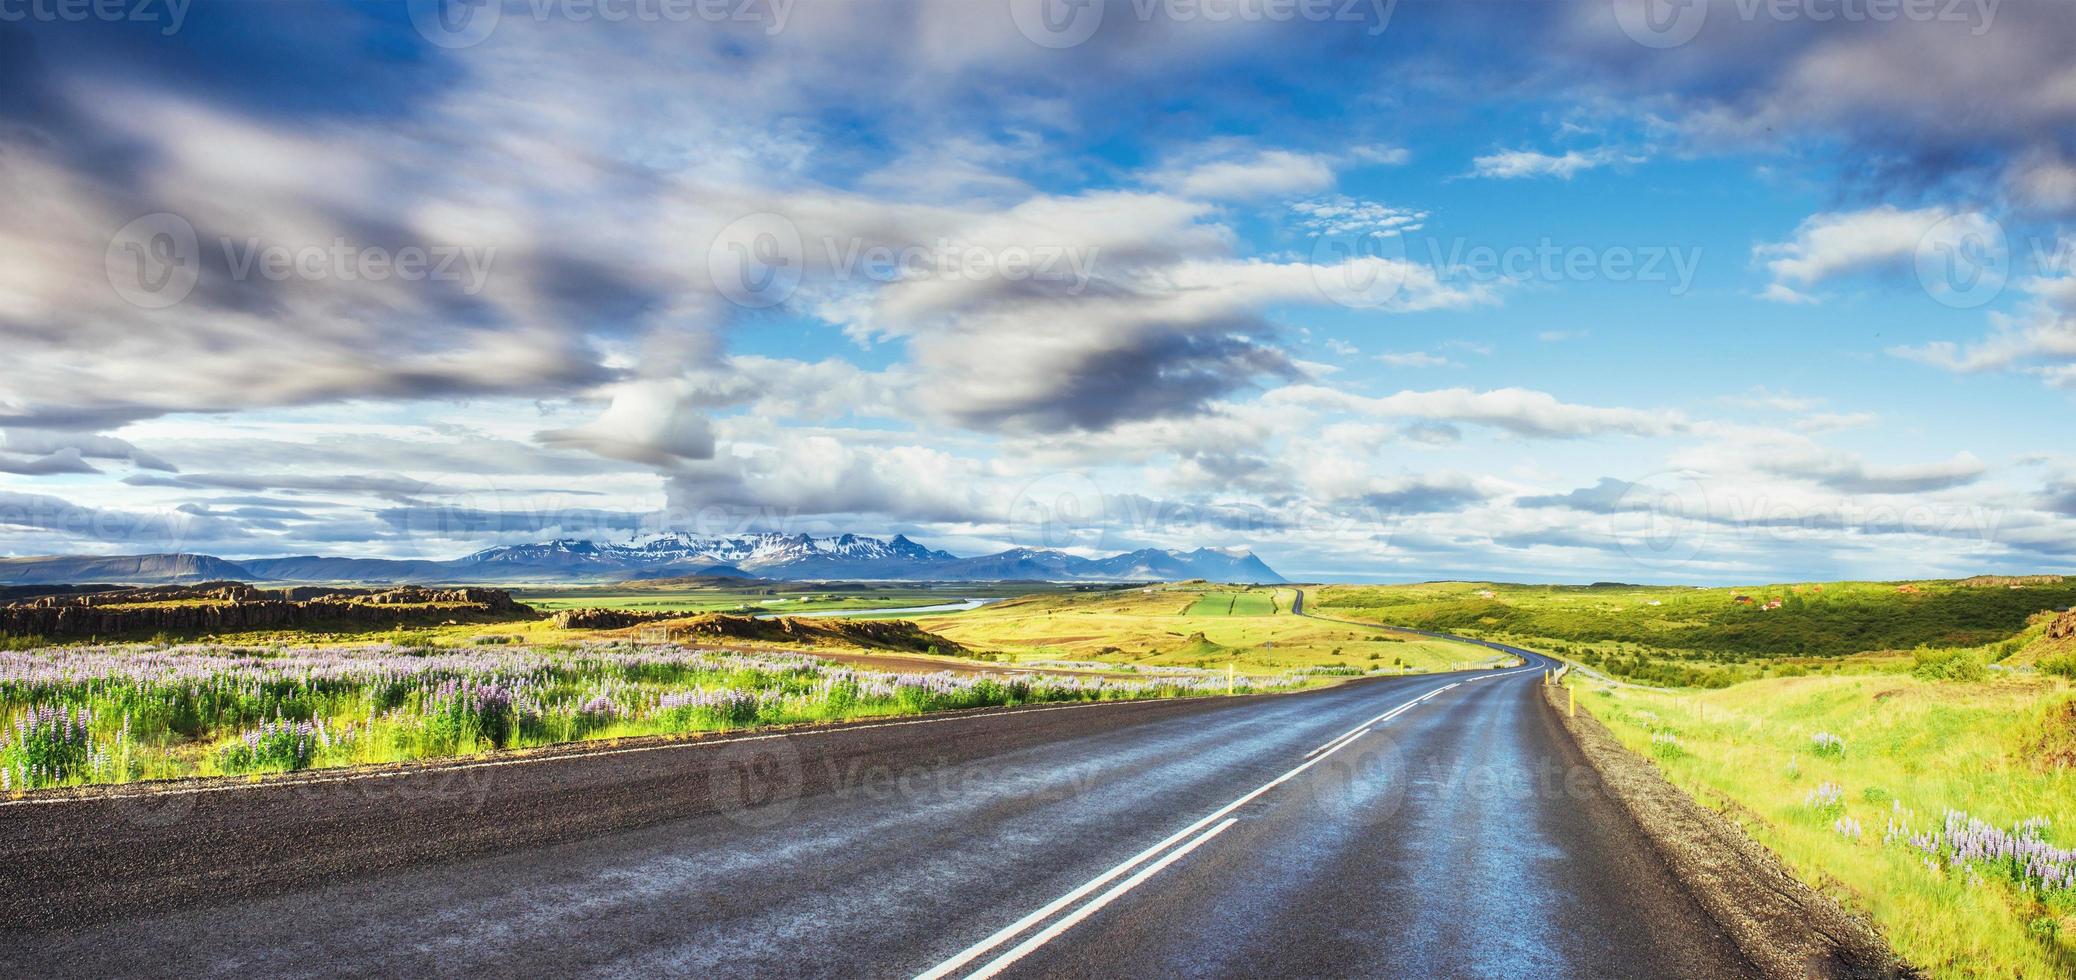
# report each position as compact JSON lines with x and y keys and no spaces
{"x":1825,"y":745}
{"x":1947,"y":665}
{"x":2060,"y":665}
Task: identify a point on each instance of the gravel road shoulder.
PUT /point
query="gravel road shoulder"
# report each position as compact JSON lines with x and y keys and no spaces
{"x":1784,"y":927}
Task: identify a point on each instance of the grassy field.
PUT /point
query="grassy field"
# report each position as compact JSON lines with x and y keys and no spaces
{"x":1233,"y":604}
{"x":82,"y":714}
{"x":1678,"y":636}
{"x":1836,"y":774}
{"x":1181,"y":625}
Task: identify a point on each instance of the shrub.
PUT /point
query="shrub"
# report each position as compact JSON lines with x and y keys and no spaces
{"x":1666,"y":745}
{"x":1947,"y":665}
{"x":2060,"y":665}
{"x":1825,"y":745}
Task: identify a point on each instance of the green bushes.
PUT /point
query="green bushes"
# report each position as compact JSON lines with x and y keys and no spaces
{"x":2060,"y":665}
{"x":1947,"y":665}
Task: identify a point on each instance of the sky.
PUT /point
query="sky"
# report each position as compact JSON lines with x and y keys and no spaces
{"x":1706,"y":291}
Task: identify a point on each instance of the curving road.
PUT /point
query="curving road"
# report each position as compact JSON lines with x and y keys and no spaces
{"x":1412,"y":826}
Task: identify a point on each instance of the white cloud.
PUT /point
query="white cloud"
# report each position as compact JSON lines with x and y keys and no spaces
{"x":1516,"y":164}
{"x":1415,"y":359}
{"x":1269,"y":173}
{"x":2041,"y":340}
{"x":1521,"y":411}
{"x":1833,"y":244}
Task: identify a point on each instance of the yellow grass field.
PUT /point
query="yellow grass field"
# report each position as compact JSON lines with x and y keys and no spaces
{"x":1155,"y":626}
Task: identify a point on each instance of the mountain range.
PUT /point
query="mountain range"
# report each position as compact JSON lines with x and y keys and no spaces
{"x":668,"y":555}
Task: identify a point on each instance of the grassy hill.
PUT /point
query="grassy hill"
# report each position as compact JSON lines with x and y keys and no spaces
{"x":1711,"y":637}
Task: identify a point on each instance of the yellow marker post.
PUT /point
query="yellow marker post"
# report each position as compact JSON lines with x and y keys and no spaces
{"x":1229,"y":677}
{"x":1572,"y":696}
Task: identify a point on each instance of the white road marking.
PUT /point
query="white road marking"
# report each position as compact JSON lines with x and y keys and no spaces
{"x":1012,"y":930}
{"x":1002,"y":962}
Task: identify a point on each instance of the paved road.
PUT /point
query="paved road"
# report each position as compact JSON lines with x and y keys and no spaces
{"x":1416,"y":826}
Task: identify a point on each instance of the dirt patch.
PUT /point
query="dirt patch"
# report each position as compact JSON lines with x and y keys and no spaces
{"x":1784,"y":927}
{"x":2053,"y":747}
{"x":871,"y":634}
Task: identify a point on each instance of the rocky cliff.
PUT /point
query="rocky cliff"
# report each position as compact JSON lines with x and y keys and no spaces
{"x":222,"y":607}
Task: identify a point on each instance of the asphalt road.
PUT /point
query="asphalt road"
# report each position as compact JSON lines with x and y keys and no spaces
{"x":1422,"y":826}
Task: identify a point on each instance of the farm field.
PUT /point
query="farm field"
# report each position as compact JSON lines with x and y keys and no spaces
{"x":1190,"y":625}
{"x":1877,"y":789}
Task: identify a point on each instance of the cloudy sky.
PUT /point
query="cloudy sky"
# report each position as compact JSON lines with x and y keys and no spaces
{"x":1722,"y":292}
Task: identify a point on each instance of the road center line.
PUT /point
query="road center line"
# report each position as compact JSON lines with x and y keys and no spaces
{"x":1054,"y":931}
{"x":1014,"y":929}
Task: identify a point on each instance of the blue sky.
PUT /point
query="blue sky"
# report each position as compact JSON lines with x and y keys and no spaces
{"x":1382,"y":290}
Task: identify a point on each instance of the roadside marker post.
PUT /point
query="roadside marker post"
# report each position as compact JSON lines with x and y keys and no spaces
{"x":1572,"y":699}
{"x":1228,"y":677}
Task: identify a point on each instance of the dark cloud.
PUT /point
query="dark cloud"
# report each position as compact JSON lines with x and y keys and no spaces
{"x":1608,"y":496}
{"x":154,"y":529}
{"x":1426,"y":495}
{"x":62,"y":461}
{"x":377,"y":485}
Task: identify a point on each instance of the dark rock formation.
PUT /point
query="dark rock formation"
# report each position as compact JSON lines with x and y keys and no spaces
{"x":221,"y":607}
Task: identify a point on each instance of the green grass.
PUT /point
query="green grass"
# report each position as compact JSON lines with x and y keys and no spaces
{"x":1677,"y":636}
{"x":1233,"y":604}
{"x":113,"y":713}
{"x":1912,"y":749}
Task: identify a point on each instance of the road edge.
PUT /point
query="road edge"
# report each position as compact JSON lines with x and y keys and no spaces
{"x":1784,"y":927}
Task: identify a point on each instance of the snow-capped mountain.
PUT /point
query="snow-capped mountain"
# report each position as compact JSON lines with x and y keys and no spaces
{"x":676,"y":555}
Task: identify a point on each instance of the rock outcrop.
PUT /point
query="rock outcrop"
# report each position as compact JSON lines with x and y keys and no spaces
{"x":223,"y":607}
{"x":2063,"y":627}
